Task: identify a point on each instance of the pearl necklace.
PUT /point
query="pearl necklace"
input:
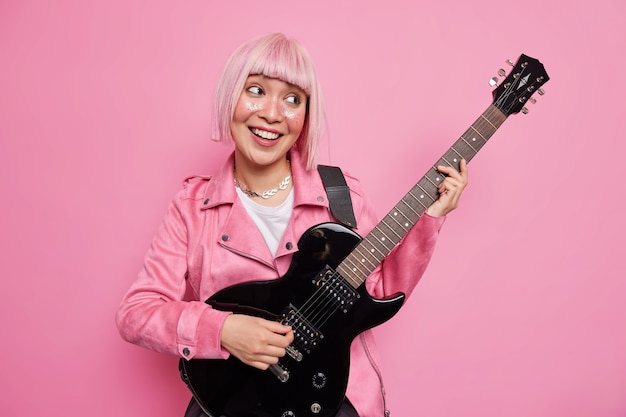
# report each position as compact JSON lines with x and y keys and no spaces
{"x":265,"y":194}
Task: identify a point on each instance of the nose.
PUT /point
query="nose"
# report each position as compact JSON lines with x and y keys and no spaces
{"x":272,"y":111}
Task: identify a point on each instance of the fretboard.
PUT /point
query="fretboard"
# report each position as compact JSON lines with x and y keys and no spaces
{"x":371,"y":251}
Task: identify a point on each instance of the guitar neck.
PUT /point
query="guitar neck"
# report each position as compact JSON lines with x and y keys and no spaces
{"x":370,"y":252}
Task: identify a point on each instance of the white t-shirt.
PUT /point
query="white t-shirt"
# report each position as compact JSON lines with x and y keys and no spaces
{"x":271,"y":221}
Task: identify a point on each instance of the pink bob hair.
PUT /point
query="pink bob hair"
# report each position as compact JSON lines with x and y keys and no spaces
{"x":275,"y":56}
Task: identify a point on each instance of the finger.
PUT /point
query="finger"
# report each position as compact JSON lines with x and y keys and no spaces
{"x":290,"y":336}
{"x":270,"y":354}
{"x":276,"y":327}
{"x":449,"y":184}
{"x":279,"y":340}
{"x":448,"y":171}
{"x":456,"y":182}
{"x":261,"y":364}
{"x":463,"y":169}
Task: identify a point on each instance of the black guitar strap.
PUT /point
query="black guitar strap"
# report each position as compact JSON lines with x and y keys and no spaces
{"x":338,"y":194}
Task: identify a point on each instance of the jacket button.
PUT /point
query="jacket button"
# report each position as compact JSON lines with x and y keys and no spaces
{"x":289,"y":245}
{"x":205,"y":202}
{"x":186,"y":351}
{"x":225,"y":237}
{"x":320,"y":198}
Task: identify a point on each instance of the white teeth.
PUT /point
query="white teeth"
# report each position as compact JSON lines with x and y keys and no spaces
{"x":265,"y":134}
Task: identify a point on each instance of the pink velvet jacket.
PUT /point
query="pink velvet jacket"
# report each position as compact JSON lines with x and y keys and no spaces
{"x":207,"y":242}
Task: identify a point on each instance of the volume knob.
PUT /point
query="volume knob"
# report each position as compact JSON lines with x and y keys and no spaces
{"x":319,"y":380}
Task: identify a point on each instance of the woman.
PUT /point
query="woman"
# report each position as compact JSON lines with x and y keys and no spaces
{"x":243,"y":224}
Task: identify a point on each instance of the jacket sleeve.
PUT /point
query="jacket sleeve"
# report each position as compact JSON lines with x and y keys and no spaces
{"x":154,"y":314}
{"x":402,"y":269}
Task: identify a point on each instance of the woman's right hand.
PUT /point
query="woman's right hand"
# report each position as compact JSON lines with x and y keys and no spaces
{"x":255,"y":341}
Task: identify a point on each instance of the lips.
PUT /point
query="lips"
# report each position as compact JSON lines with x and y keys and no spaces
{"x":264,"y":134}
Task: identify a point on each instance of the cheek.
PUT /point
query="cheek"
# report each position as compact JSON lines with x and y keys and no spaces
{"x":289,"y":114}
{"x":252,"y":107}
{"x":296,"y":124}
{"x":294,"y":118}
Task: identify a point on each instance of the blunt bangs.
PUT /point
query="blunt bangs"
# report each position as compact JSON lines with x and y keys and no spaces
{"x":285,"y":61}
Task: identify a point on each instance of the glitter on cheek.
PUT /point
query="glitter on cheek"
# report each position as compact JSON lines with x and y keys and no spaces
{"x":253,"y":106}
{"x":288,"y":113}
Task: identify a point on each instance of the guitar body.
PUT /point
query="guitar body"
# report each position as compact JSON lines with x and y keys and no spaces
{"x":316,"y":382}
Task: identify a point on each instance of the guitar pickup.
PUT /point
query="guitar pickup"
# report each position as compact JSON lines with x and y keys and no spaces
{"x":336,"y":289}
{"x":306,"y":336}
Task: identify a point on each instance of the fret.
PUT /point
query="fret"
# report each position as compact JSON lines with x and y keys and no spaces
{"x":436,"y":179}
{"x":403,"y":224}
{"x":489,"y":121}
{"x":446,"y":162}
{"x":479,"y":134}
{"x":385,"y":250}
{"x":402,"y":213}
{"x":365,"y":258}
{"x":380,"y":249}
{"x":392,"y":229}
{"x":417,"y":206}
{"x":353,"y":281}
{"x":476,"y":142}
{"x":455,"y":151}
{"x":469,"y":144}
{"x":426,"y":193}
{"x":464,"y":150}
{"x":383,"y":236}
{"x":419,"y":200}
{"x":429,"y":187}
{"x":353,"y":270}
{"x":373,"y":251}
{"x":405,"y":202}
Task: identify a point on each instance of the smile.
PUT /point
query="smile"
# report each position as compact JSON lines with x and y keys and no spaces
{"x":264,"y":134}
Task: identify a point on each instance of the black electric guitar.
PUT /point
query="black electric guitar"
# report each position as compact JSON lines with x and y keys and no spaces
{"x":323,"y":297}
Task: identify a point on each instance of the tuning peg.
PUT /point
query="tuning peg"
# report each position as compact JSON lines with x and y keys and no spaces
{"x":541,"y":91}
{"x":533,"y":100}
{"x":494,"y":81}
{"x":511,"y":63}
{"x":524,"y":110}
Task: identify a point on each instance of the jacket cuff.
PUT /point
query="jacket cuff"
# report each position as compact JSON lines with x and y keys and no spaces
{"x":199,"y":332}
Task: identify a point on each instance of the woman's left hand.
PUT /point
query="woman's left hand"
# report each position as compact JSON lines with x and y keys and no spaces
{"x":450,"y":190}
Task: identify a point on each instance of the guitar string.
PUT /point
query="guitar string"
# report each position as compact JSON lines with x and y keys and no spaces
{"x":321,"y":306}
{"x":317,"y":306}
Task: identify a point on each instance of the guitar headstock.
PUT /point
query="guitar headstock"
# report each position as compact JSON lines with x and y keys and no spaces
{"x":524,"y":80}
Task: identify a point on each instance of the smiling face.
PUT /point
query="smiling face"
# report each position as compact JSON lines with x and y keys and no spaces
{"x":267,"y":121}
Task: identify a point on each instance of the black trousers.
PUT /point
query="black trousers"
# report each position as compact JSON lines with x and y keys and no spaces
{"x":194,"y":410}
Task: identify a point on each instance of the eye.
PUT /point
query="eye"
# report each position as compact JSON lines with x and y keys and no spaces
{"x":255,"y":89}
{"x":293,"y":99}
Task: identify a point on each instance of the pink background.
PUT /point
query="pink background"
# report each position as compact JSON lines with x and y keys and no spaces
{"x":105,"y":107}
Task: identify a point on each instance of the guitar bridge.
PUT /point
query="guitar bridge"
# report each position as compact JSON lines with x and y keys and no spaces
{"x":294,"y":353}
